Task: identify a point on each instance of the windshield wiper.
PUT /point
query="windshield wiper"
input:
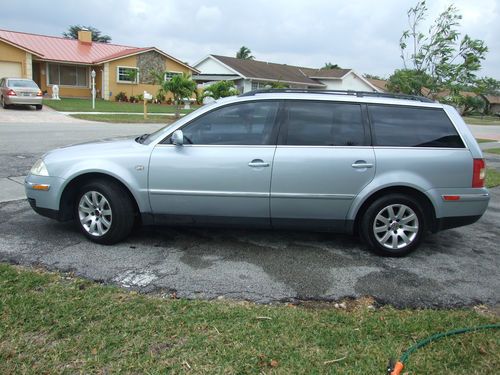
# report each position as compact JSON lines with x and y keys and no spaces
{"x":142,"y":138}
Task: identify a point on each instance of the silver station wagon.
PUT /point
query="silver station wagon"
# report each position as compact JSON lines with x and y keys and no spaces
{"x":389,"y":168}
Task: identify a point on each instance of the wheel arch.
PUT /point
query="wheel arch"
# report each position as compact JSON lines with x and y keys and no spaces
{"x":429,"y":209}
{"x":70,"y":190}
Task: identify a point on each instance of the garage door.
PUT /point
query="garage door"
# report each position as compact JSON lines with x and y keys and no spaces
{"x":10,"y":69}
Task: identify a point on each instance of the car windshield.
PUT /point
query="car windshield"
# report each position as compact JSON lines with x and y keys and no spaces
{"x":21,"y":83}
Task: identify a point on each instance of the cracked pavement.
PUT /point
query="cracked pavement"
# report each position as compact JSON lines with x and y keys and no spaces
{"x":458,"y":267}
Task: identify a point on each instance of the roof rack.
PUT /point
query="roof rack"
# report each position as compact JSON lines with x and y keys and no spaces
{"x":341,"y":92}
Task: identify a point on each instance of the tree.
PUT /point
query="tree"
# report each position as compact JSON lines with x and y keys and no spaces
{"x":487,"y":86}
{"x":244,"y":53}
{"x":409,"y":81}
{"x":439,"y":57}
{"x":97,"y":36}
{"x":180,"y":85}
{"x":132,"y":76}
{"x":329,"y":66}
{"x":373,"y":76}
{"x":220,"y":89}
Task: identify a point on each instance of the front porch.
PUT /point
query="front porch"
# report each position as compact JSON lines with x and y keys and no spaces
{"x":74,"y":80}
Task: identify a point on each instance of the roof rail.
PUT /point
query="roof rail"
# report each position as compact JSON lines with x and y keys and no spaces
{"x":341,"y":92}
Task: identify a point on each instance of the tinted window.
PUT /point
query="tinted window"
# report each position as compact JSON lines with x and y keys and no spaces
{"x":324,"y":124}
{"x":412,"y":127}
{"x":22,"y":83}
{"x":241,"y":124}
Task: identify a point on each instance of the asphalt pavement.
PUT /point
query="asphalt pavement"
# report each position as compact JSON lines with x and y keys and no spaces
{"x":458,"y":267}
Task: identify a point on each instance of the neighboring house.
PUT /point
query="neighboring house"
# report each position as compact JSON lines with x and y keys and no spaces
{"x":380,"y":84}
{"x":493,"y":103}
{"x":50,"y":60}
{"x":253,"y":74}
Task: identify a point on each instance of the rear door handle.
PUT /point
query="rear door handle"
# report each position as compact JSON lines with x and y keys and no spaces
{"x":258,"y":163}
{"x":362,"y":164}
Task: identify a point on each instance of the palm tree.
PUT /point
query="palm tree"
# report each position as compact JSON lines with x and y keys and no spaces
{"x":244,"y":53}
{"x":181,"y":86}
{"x":329,"y":65}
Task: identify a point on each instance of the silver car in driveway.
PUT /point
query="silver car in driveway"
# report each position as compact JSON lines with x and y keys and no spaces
{"x":389,"y":168}
{"x":20,"y":91}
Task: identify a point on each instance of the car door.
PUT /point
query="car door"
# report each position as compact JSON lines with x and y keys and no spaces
{"x":223,"y":169}
{"x":322,"y":161}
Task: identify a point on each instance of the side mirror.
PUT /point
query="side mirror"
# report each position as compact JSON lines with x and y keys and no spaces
{"x":178,"y":138}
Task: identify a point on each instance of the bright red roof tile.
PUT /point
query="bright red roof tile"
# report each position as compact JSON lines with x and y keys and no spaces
{"x":68,"y":50}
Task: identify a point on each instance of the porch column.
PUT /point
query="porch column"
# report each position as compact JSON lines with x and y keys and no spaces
{"x":105,"y":80}
{"x":28,"y":72}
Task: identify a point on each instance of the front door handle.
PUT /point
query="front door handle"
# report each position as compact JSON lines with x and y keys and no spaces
{"x":361,"y":164}
{"x":258,"y":163}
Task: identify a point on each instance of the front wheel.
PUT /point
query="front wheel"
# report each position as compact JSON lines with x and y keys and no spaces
{"x":393,"y":225}
{"x":104,"y":212}
{"x":39,"y":107}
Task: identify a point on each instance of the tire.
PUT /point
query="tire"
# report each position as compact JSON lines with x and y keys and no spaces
{"x":4,"y":106}
{"x":104,"y":212}
{"x":393,"y":225}
{"x":39,"y":107}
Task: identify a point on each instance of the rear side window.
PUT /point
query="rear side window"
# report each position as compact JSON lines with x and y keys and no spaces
{"x":412,"y":127}
{"x":324,"y":124}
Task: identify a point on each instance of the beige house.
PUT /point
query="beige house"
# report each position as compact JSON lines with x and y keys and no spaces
{"x":68,"y":63}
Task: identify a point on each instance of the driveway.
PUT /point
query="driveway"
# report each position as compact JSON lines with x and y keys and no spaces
{"x":28,"y":114}
{"x":458,"y":267}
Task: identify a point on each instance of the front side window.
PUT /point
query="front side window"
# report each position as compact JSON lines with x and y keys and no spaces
{"x":68,"y":75}
{"x":312,"y":123}
{"x":127,"y":75}
{"x":412,"y":127}
{"x":239,"y":124}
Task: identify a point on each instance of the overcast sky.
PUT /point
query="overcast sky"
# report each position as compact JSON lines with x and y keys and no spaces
{"x":362,"y":35}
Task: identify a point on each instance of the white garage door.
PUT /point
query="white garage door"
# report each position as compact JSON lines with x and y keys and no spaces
{"x":10,"y":69}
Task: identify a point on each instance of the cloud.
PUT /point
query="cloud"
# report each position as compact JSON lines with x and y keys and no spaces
{"x":356,"y":34}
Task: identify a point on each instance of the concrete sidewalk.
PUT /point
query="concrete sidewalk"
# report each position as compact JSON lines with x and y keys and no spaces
{"x":11,"y":189}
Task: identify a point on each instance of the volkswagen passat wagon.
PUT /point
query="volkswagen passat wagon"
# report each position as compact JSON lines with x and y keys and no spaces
{"x":389,"y":168}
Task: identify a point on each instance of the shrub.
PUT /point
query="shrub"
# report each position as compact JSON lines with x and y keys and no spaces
{"x":121,"y":97}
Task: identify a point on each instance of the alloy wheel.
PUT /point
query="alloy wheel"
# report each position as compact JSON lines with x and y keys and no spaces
{"x":94,"y":212}
{"x":396,"y":226}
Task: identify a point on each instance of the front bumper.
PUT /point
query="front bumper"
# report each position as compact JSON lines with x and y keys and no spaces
{"x":44,"y":202}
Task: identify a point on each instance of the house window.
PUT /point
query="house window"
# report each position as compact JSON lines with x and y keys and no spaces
{"x":259,"y":85}
{"x":68,"y":75}
{"x":168,"y":75}
{"x":127,"y":74}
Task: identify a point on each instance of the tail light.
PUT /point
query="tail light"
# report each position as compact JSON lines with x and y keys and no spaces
{"x":479,"y":173}
{"x":39,"y":93}
{"x":11,"y":93}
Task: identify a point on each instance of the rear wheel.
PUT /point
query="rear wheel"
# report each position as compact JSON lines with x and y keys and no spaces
{"x":104,"y":212}
{"x":393,"y":225}
{"x":4,"y":105}
{"x":39,"y":107}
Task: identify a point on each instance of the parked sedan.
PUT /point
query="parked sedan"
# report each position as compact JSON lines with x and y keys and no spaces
{"x":20,"y":91}
{"x":387,"y":168}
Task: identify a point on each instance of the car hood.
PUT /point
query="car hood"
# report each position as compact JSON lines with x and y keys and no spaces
{"x":92,"y":153}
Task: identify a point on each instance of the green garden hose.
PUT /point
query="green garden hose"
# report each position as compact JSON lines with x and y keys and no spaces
{"x":396,"y":368}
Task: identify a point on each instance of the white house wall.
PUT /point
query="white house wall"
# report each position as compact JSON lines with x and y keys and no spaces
{"x":210,"y":66}
{"x":349,"y":82}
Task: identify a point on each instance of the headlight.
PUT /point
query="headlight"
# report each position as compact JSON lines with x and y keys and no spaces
{"x":39,"y":168}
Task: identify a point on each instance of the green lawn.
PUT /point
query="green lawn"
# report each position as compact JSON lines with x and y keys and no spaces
{"x":85,"y":105}
{"x":493,"y":150}
{"x":484,"y":140}
{"x":492,"y":177}
{"x":119,"y":118}
{"x":52,"y":323}
{"x":484,"y":120}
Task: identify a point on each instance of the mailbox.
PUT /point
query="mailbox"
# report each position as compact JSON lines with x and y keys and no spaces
{"x":147,"y":96}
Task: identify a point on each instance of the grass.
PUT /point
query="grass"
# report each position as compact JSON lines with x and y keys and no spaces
{"x":492,"y":177}
{"x":120,"y":118}
{"x":52,"y":323}
{"x":482,"y":120}
{"x":484,"y":140}
{"x":493,"y":151}
{"x":85,"y":105}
